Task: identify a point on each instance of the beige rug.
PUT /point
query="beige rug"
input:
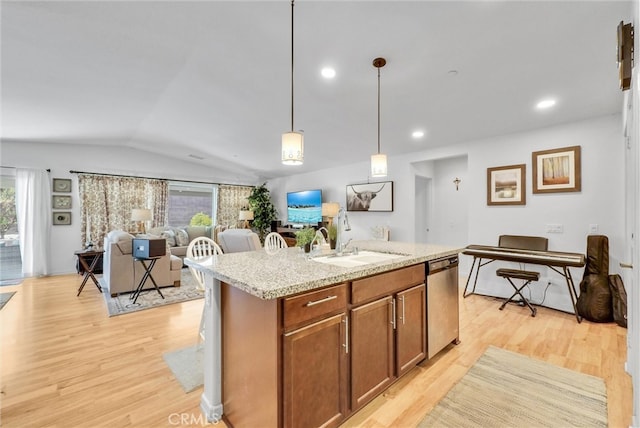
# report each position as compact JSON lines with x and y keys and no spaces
{"x":122,"y":304}
{"x":506,"y":389}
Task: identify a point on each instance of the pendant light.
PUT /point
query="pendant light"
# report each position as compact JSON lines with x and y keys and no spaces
{"x":379,"y":160}
{"x":292,"y":142}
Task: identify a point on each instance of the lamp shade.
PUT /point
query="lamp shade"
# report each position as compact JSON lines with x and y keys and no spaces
{"x":292,"y":148}
{"x":379,"y":165}
{"x":141,"y":214}
{"x":246,"y":215}
{"x":330,"y":209}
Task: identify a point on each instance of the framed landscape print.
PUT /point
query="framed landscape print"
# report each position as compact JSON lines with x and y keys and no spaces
{"x":556,"y":170}
{"x":370,"y":196}
{"x":506,"y":185}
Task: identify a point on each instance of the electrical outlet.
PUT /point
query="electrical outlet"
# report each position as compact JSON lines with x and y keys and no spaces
{"x":593,"y":228}
{"x":554,"y":228}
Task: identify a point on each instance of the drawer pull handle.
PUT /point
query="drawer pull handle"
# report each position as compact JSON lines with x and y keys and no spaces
{"x":317,"y":302}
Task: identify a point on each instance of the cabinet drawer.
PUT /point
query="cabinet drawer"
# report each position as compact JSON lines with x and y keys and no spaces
{"x":386,"y":283}
{"x":315,"y":304}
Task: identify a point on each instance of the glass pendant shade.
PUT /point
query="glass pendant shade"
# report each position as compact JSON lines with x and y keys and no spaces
{"x":379,"y":165}
{"x":292,"y":148}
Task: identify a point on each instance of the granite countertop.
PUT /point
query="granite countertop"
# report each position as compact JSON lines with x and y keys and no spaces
{"x":284,"y":272}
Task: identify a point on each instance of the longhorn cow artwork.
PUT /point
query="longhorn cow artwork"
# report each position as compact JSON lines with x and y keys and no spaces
{"x":370,"y":196}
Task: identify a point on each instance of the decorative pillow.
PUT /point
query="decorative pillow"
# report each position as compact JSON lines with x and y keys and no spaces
{"x":170,"y":237}
{"x":182,"y":238}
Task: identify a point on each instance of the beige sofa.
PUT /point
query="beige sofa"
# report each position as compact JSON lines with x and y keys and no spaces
{"x":178,"y":238}
{"x":121,"y":274}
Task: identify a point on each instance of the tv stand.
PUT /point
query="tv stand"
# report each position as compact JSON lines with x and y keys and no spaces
{"x":288,"y":233}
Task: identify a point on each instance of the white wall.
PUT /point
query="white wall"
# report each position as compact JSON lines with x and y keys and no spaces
{"x":61,"y":158}
{"x":600,"y":202}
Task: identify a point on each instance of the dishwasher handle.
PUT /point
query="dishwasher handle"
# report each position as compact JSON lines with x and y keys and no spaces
{"x":442,"y":264}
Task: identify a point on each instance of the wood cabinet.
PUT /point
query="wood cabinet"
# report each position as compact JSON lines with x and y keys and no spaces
{"x":315,"y":374}
{"x":315,"y":358}
{"x":411,"y":328}
{"x":372,"y":347}
{"x":388,"y":335}
{"x":315,"y":378}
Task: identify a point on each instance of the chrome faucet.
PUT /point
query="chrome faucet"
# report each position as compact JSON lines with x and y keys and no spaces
{"x":343,"y":226}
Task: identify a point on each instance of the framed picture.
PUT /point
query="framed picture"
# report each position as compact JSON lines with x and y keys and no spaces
{"x":62,"y":185}
{"x":370,"y":196}
{"x":61,"y":218}
{"x":556,"y":170}
{"x":61,"y":202}
{"x":506,"y":185}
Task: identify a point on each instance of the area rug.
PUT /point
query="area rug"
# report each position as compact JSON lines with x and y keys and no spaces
{"x":4,"y":298}
{"x":187,"y":366}
{"x":506,"y":389}
{"x":122,"y":304}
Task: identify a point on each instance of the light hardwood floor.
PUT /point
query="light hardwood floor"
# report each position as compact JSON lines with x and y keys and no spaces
{"x":65,"y":363}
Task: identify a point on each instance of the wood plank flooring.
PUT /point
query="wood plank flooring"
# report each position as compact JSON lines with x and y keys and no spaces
{"x":65,"y":363}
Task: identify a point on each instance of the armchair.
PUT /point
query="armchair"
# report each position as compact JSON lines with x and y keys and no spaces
{"x":237,"y":240}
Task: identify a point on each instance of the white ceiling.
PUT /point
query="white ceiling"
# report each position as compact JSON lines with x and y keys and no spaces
{"x":212,"y":78}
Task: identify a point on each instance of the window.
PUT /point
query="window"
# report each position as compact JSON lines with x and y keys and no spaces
{"x":10,"y":259}
{"x":187,"y":199}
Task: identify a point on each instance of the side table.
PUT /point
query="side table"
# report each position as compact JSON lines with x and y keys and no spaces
{"x":89,"y":260}
{"x":147,"y":274}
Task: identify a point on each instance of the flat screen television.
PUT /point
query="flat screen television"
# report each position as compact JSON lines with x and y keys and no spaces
{"x":304,"y":207}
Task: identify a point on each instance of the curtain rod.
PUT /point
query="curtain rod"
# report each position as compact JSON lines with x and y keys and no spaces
{"x":15,"y":167}
{"x":156,"y":178}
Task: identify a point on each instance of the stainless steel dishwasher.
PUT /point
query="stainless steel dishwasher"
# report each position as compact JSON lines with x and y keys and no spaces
{"x":443,"y":322}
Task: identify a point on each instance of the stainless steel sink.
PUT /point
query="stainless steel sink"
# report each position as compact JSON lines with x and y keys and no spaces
{"x":362,"y":258}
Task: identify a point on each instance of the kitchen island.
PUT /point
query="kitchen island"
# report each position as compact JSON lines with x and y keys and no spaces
{"x":290,"y":341}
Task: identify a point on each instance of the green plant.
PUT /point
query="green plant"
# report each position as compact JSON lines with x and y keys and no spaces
{"x":8,"y":217}
{"x":332,"y":231}
{"x":305,"y":236}
{"x":263,"y":210}
{"x":200,"y":219}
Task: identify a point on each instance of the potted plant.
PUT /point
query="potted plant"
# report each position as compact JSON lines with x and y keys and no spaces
{"x":263,"y":210}
{"x":304,"y":238}
{"x":332,"y":232}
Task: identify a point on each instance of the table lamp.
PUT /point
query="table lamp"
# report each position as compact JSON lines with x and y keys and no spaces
{"x":245,"y":216}
{"x":140,"y":216}
{"x":330,"y":210}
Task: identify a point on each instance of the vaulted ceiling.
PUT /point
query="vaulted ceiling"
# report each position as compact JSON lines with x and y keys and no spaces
{"x":211,"y":79}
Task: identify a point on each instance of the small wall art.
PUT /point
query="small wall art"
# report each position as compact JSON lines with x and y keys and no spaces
{"x":557,"y":170}
{"x":61,"y":218}
{"x":506,"y":185}
{"x":61,"y":202}
{"x":370,"y":196}
{"x":62,"y":185}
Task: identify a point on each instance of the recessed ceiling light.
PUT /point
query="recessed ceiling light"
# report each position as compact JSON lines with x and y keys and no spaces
{"x":417,"y":134}
{"x":544,"y":104}
{"x":328,"y":73}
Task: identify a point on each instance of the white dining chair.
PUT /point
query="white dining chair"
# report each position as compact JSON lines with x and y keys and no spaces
{"x":274,"y":241}
{"x":201,"y":247}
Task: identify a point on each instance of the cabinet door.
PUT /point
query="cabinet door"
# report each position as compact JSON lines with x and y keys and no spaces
{"x":371,"y":350}
{"x":411,"y":332}
{"x":315,"y":374}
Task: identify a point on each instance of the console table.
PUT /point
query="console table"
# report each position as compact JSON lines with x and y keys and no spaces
{"x":88,"y":259}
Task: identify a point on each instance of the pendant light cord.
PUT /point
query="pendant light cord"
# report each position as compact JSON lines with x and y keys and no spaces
{"x":292,"y":65}
{"x":378,"y":110}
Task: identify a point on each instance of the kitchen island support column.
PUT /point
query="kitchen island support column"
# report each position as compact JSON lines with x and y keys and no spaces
{"x":211,"y":399}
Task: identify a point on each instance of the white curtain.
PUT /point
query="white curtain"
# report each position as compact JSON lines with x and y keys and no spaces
{"x":33,"y":209}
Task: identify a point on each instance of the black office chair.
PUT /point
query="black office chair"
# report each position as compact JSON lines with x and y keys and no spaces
{"x":534,"y":243}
